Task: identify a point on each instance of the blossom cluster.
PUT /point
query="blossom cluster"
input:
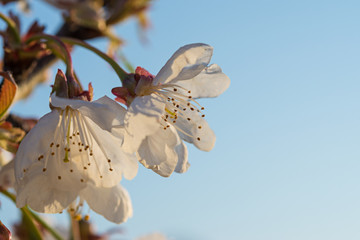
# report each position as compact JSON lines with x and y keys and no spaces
{"x":81,"y":149}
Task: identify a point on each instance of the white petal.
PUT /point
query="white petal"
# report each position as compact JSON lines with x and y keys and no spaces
{"x":7,"y":175}
{"x":107,"y":115}
{"x":211,"y":82}
{"x":142,"y":119}
{"x":185,"y":63}
{"x":42,"y":195}
{"x":113,"y":203}
{"x":157,"y":151}
{"x":203,"y":138}
{"x":182,"y":164}
{"x":36,"y":142}
{"x":104,"y":111}
{"x":121,"y":163}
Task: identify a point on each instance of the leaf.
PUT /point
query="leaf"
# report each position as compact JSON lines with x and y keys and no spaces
{"x":7,"y":92}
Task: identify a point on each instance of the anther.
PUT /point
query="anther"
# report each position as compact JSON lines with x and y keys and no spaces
{"x":52,"y":153}
{"x":109,"y":160}
{"x":198,"y":139}
{"x":203,"y":115}
{"x":59,"y":177}
{"x":202,"y":108}
{"x":57,"y":145}
{"x":111,"y":169}
{"x":44,"y":169}
{"x":199,"y":127}
{"x":192,"y":109}
{"x":188,"y":119}
{"x":51,"y":144}
{"x":85,"y":168}
{"x":81,"y":180}
{"x":175,"y":89}
{"x":101,"y":176}
{"x":71,"y":170}
{"x":24,"y":170}
{"x":86,"y":218}
{"x":189,"y":91}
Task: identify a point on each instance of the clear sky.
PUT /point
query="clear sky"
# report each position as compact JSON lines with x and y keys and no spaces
{"x":286,"y":161}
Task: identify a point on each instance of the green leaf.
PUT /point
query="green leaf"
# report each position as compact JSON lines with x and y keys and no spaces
{"x":7,"y":92}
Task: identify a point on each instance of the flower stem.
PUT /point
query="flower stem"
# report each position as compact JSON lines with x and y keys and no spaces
{"x":119,"y":71}
{"x":12,"y":26}
{"x":75,"y":228}
{"x":46,"y":226}
{"x":59,"y":43}
{"x":29,"y":215}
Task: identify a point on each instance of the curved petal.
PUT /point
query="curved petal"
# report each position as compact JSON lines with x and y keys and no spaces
{"x":35,"y":142}
{"x":211,"y":82}
{"x":182,"y":153}
{"x":185,"y":63}
{"x":42,"y":195}
{"x":104,"y":111}
{"x":111,"y":162}
{"x":110,"y":114}
{"x":157,"y":151}
{"x":142,"y":119}
{"x":113,"y":203}
{"x":196,"y":131}
{"x":7,"y":175}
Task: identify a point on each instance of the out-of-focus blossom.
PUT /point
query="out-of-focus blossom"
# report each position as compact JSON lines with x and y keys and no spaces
{"x":153,"y":236}
{"x":71,"y":156}
{"x":162,"y":109}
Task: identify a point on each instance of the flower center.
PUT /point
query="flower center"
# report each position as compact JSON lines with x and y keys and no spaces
{"x":179,"y":106}
{"x":72,"y":148}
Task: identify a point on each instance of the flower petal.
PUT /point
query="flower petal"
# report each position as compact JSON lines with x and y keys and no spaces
{"x":142,"y":119}
{"x":42,"y":195}
{"x":196,"y":131}
{"x":157,"y":151}
{"x":211,"y":82}
{"x":34,"y":143}
{"x":104,"y":111}
{"x":182,"y":153}
{"x":109,"y":155}
{"x":185,"y":63}
{"x":113,"y":203}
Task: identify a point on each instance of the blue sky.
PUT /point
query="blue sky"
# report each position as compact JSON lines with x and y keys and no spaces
{"x":286,"y":162}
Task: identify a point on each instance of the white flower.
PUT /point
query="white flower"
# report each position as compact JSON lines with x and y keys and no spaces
{"x":71,"y":152}
{"x":164,"y":110}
